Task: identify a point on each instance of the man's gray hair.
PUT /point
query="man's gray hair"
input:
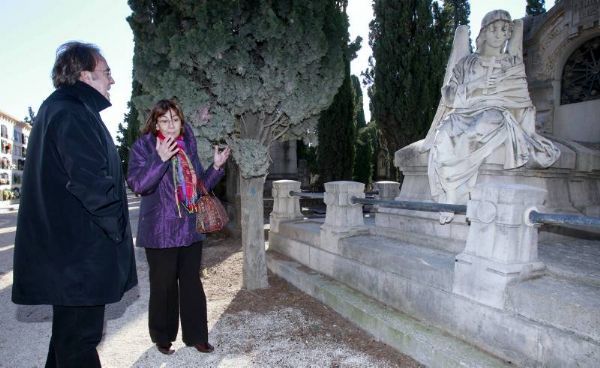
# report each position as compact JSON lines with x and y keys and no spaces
{"x":72,"y":58}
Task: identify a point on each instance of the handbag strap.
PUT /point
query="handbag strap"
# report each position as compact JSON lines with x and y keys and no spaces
{"x":202,"y":187}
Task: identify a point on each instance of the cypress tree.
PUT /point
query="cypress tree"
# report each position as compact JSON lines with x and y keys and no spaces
{"x":129,"y":130}
{"x":337,"y":134}
{"x":457,"y":14}
{"x":402,"y":98}
{"x":263,"y":69}
{"x":411,"y":42}
{"x":363,"y":146}
{"x":535,"y":7}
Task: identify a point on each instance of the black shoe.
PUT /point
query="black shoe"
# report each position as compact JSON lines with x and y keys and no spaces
{"x":204,"y":347}
{"x":165,"y":348}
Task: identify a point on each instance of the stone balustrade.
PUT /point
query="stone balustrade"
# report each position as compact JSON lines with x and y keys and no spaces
{"x":388,"y":190}
{"x":501,"y":246}
{"x":285,"y":206}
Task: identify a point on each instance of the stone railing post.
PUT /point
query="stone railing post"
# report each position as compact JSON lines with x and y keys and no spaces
{"x":501,"y":245}
{"x":388,"y":190}
{"x":343,"y":218}
{"x":285,"y":207}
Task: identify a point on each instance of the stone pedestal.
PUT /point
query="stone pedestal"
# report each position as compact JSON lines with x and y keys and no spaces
{"x":388,"y":190}
{"x":342,"y":218}
{"x":501,"y":244}
{"x":285,"y":206}
{"x":572,"y":185}
{"x":572,"y":182}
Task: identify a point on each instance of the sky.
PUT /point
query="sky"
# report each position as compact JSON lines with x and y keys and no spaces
{"x":33,"y":29}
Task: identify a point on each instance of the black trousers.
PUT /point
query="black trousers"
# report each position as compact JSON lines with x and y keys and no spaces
{"x":76,"y":331}
{"x":175,"y":287}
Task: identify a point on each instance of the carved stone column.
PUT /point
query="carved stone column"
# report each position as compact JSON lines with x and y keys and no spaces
{"x":285,"y":206}
{"x":343,"y":218}
{"x":388,"y":190}
{"x":501,"y":245}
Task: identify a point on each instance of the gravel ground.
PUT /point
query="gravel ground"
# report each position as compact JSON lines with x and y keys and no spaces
{"x":274,"y":327}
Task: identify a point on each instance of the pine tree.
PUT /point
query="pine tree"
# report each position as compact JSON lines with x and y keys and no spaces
{"x":363,"y":146}
{"x":264,"y":69}
{"x":535,"y":7}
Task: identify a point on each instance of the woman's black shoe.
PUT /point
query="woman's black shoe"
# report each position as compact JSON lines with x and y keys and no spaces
{"x":165,"y":348}
{"x":204,"y":347}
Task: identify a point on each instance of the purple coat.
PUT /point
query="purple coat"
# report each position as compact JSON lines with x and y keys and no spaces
{"x":159,"y":223}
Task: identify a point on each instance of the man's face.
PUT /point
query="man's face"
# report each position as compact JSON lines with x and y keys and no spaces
{"x":100,"y":79}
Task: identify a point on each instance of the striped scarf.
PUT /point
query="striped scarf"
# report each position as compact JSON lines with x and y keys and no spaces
{"x":184,"y":179}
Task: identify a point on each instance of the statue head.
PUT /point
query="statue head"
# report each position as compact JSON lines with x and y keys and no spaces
{"x":494,"y":21}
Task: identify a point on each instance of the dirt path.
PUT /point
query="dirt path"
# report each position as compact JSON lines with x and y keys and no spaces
{"x":275,"y":327}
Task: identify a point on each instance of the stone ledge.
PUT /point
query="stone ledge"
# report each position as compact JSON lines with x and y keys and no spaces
{"x":426,"y":344}
{"x":558,"y":302}
{"x":425,"y":265}
{"x":305,"y":231}
{"x":576,"y":260}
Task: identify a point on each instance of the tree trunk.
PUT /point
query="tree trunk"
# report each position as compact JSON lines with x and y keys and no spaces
{"x":253,"y":237}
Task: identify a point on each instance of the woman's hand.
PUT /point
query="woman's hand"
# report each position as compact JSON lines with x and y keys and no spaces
{"x":166,"y":148}
{"x":220,"y":157}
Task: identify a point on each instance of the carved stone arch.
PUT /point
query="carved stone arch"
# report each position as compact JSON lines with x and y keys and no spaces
{"x":563,"y":52}
{"x":576,"y":120}
{"x":580,"y":79}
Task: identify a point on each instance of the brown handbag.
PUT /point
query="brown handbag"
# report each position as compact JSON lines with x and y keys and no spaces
{"x":211,"y":215}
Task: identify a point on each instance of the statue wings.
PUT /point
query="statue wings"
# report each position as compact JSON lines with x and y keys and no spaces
{"x":515,"y":44}
{"x":460,"y":49}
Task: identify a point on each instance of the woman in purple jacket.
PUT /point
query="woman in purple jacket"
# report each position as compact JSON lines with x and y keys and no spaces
{"x":164,"y":169}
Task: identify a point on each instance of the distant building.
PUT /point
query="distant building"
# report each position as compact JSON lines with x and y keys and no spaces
{"x":14,"y":135}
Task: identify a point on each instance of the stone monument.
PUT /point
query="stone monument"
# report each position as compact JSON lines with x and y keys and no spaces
{"x":485,"y":132}
{"x":485,"y":104}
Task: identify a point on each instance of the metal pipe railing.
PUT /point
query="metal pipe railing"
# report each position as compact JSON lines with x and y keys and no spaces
{"x":307,"y":194}
{"x":562,"y":219}
{"x":372,"y":193}
{"x":414,"y":205}
{"x":534,"y":216}
{"x":408,"y":205}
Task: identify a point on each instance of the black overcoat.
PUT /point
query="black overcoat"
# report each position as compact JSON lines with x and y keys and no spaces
{"x":73,"y":244}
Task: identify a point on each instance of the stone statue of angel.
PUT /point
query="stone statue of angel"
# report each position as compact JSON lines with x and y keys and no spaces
{"x":485,"y":104}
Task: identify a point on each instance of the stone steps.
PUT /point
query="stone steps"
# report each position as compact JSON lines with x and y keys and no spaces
{"x":577,"y":260}
{"x":428,"y":266}
{"x":424,"y":343}
{"x":562,"y":303}
{"x":543,"y":318}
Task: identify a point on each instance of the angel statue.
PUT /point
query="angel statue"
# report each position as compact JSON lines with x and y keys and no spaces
{"x":485,"y":104}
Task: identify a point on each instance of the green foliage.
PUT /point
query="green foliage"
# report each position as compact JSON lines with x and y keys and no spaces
{"x":455,"y":13}
{"x":337,"y":134}
{"x":535,"y":7}
{"x":265,"y":69}
{"x":363,"y":146}
{"x":29,"y":119}
{"x":411,"y":42}
{"x":129,"y":130}
{"x":308,"y":153}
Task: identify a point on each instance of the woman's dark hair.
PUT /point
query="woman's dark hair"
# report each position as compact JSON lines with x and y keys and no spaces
{"x":159,"y":109}
{"x":72,"y":58}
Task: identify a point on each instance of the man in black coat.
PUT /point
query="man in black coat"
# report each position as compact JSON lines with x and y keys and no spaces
{"x":73,"y":247}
